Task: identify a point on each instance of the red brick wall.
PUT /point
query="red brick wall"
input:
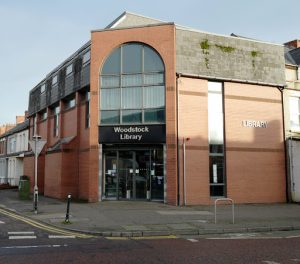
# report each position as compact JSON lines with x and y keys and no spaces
{"x":28,"y":170}
{"x":193,"y":124}
{"x":255,"y":161}
{"x":160,"y":38}
{"x":255,"y":156}
{"x":53,"y":171}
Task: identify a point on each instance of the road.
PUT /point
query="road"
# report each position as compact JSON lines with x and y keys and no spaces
{"x":22,"y":242}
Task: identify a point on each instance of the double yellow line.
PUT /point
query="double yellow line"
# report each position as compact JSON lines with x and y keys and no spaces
{"x":44,"y":226}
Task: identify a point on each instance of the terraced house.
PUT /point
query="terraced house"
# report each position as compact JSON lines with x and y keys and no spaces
{"x":155,"y":111}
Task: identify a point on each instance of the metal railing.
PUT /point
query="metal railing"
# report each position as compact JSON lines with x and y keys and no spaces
{"x":224,"y":200}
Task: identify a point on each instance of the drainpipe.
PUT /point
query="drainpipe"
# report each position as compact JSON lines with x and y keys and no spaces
{"x":281,"y":89}
{"x":178,"y":156}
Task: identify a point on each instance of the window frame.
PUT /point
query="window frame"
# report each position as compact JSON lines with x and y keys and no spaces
{"x":143,"y":85}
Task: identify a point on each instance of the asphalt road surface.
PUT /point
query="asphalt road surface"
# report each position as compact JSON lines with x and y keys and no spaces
{"x":22,"y":242}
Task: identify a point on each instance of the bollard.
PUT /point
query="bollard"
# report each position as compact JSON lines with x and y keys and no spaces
{"x":35,"y":201}
{"x":67,"y":220}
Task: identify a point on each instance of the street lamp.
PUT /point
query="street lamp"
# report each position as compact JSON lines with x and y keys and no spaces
{"x":37,"y":145}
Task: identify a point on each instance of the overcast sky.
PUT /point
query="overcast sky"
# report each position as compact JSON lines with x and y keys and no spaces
{"x":36,"y":36}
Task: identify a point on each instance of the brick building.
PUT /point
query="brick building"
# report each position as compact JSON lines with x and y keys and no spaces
{"x":153,"y":110}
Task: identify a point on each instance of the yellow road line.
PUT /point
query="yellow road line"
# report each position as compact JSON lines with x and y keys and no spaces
{"x":43,"y":226}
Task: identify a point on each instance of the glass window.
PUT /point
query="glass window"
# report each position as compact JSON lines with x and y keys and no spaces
{"x":294,"y":113}
{"x":132,"y":58}
{"x":216,"y":139}
{"x":69,"y":69}
{"x":86,"y":57}
{"x":127,"y":83}
{"x":113,"y":63}
{"x":43,"y":88}
{"x":54,"y":80}
{"x":131,"y":98}
{"x":154,"y":115}
{"x":154,"y":96}
{"x":110,"y":99}
{"x":153,"y":62}
{"x":110,"y":81}
{"x":131,"y":116}
{"x":43,"y":115}
{"x":87,"y":110}
{"x":154,"y":79}
{"x":132,"y":80}
{"x":70,"y":103}
{"x":110,"y":117}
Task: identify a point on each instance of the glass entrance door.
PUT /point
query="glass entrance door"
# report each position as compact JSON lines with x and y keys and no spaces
{"x":134,"y":174}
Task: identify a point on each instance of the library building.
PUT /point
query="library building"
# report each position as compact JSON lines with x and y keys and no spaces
{"x":150,"y":110}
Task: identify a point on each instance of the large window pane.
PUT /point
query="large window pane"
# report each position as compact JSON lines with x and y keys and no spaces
{"x":110,"y":99}
{"x":110,"y":81}
{"x":216,"y":169}
{"x":217,"y":190}
{"x":152,"y":62}
{"x":131,"y":116}
{"x":132,"y":58}
{"x":132,"y":80}
{"x":110,"y":117}
{"x":131,"y":98}
{"x":154,"y":79}
{"x":154,"y":96}
{"x":154,"y":116}
{"x":112,"y":63}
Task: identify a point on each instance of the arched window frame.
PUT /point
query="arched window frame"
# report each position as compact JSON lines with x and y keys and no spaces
{"x":132,"y":97}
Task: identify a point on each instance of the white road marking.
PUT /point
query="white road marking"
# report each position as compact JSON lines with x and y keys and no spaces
{"x":296,"y":260}
{"x":1,"y":222}
{"x":292,"y":236}
{"x":270,"y":262}
{"x":193,"y":240}
{"x":22,"y":237}
{"x":39,"y":246}
{"x":21,"y":233}
{"x":52,"y":236}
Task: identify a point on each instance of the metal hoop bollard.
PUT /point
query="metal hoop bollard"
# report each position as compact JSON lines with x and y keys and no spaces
{"x":225,"y":200}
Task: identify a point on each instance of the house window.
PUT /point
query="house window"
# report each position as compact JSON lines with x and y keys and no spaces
{"x":132,"y":86}
{"x":216,"y":140}
{"x":56,"y":112}
{"x":294,"y":113}
{"x":87,"y":110}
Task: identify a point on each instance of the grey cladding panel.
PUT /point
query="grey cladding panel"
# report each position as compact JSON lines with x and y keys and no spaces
{"x":228,"y":57}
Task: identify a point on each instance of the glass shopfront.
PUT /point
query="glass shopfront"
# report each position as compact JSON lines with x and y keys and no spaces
{"x":133,"y":173}
{"x":132,"y":127}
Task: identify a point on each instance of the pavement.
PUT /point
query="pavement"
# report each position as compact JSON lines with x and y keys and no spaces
{"x":142,"y":218}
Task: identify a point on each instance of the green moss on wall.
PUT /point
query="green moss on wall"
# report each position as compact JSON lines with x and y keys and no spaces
{"x":226,"y":49}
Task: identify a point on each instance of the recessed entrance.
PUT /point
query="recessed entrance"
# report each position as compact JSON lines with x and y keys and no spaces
{"x":133,"y":174}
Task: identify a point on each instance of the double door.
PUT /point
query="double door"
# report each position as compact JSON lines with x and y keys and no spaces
{"x":134,"y":174}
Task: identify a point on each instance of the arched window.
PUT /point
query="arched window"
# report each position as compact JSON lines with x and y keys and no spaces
{"x":132,"y":86}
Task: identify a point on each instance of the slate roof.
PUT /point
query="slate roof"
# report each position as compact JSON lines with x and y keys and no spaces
{"x":16,"y":129}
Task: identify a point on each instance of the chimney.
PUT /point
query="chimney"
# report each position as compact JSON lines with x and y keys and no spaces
{"x":294,"y":43}
{"x":20,"y":119}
